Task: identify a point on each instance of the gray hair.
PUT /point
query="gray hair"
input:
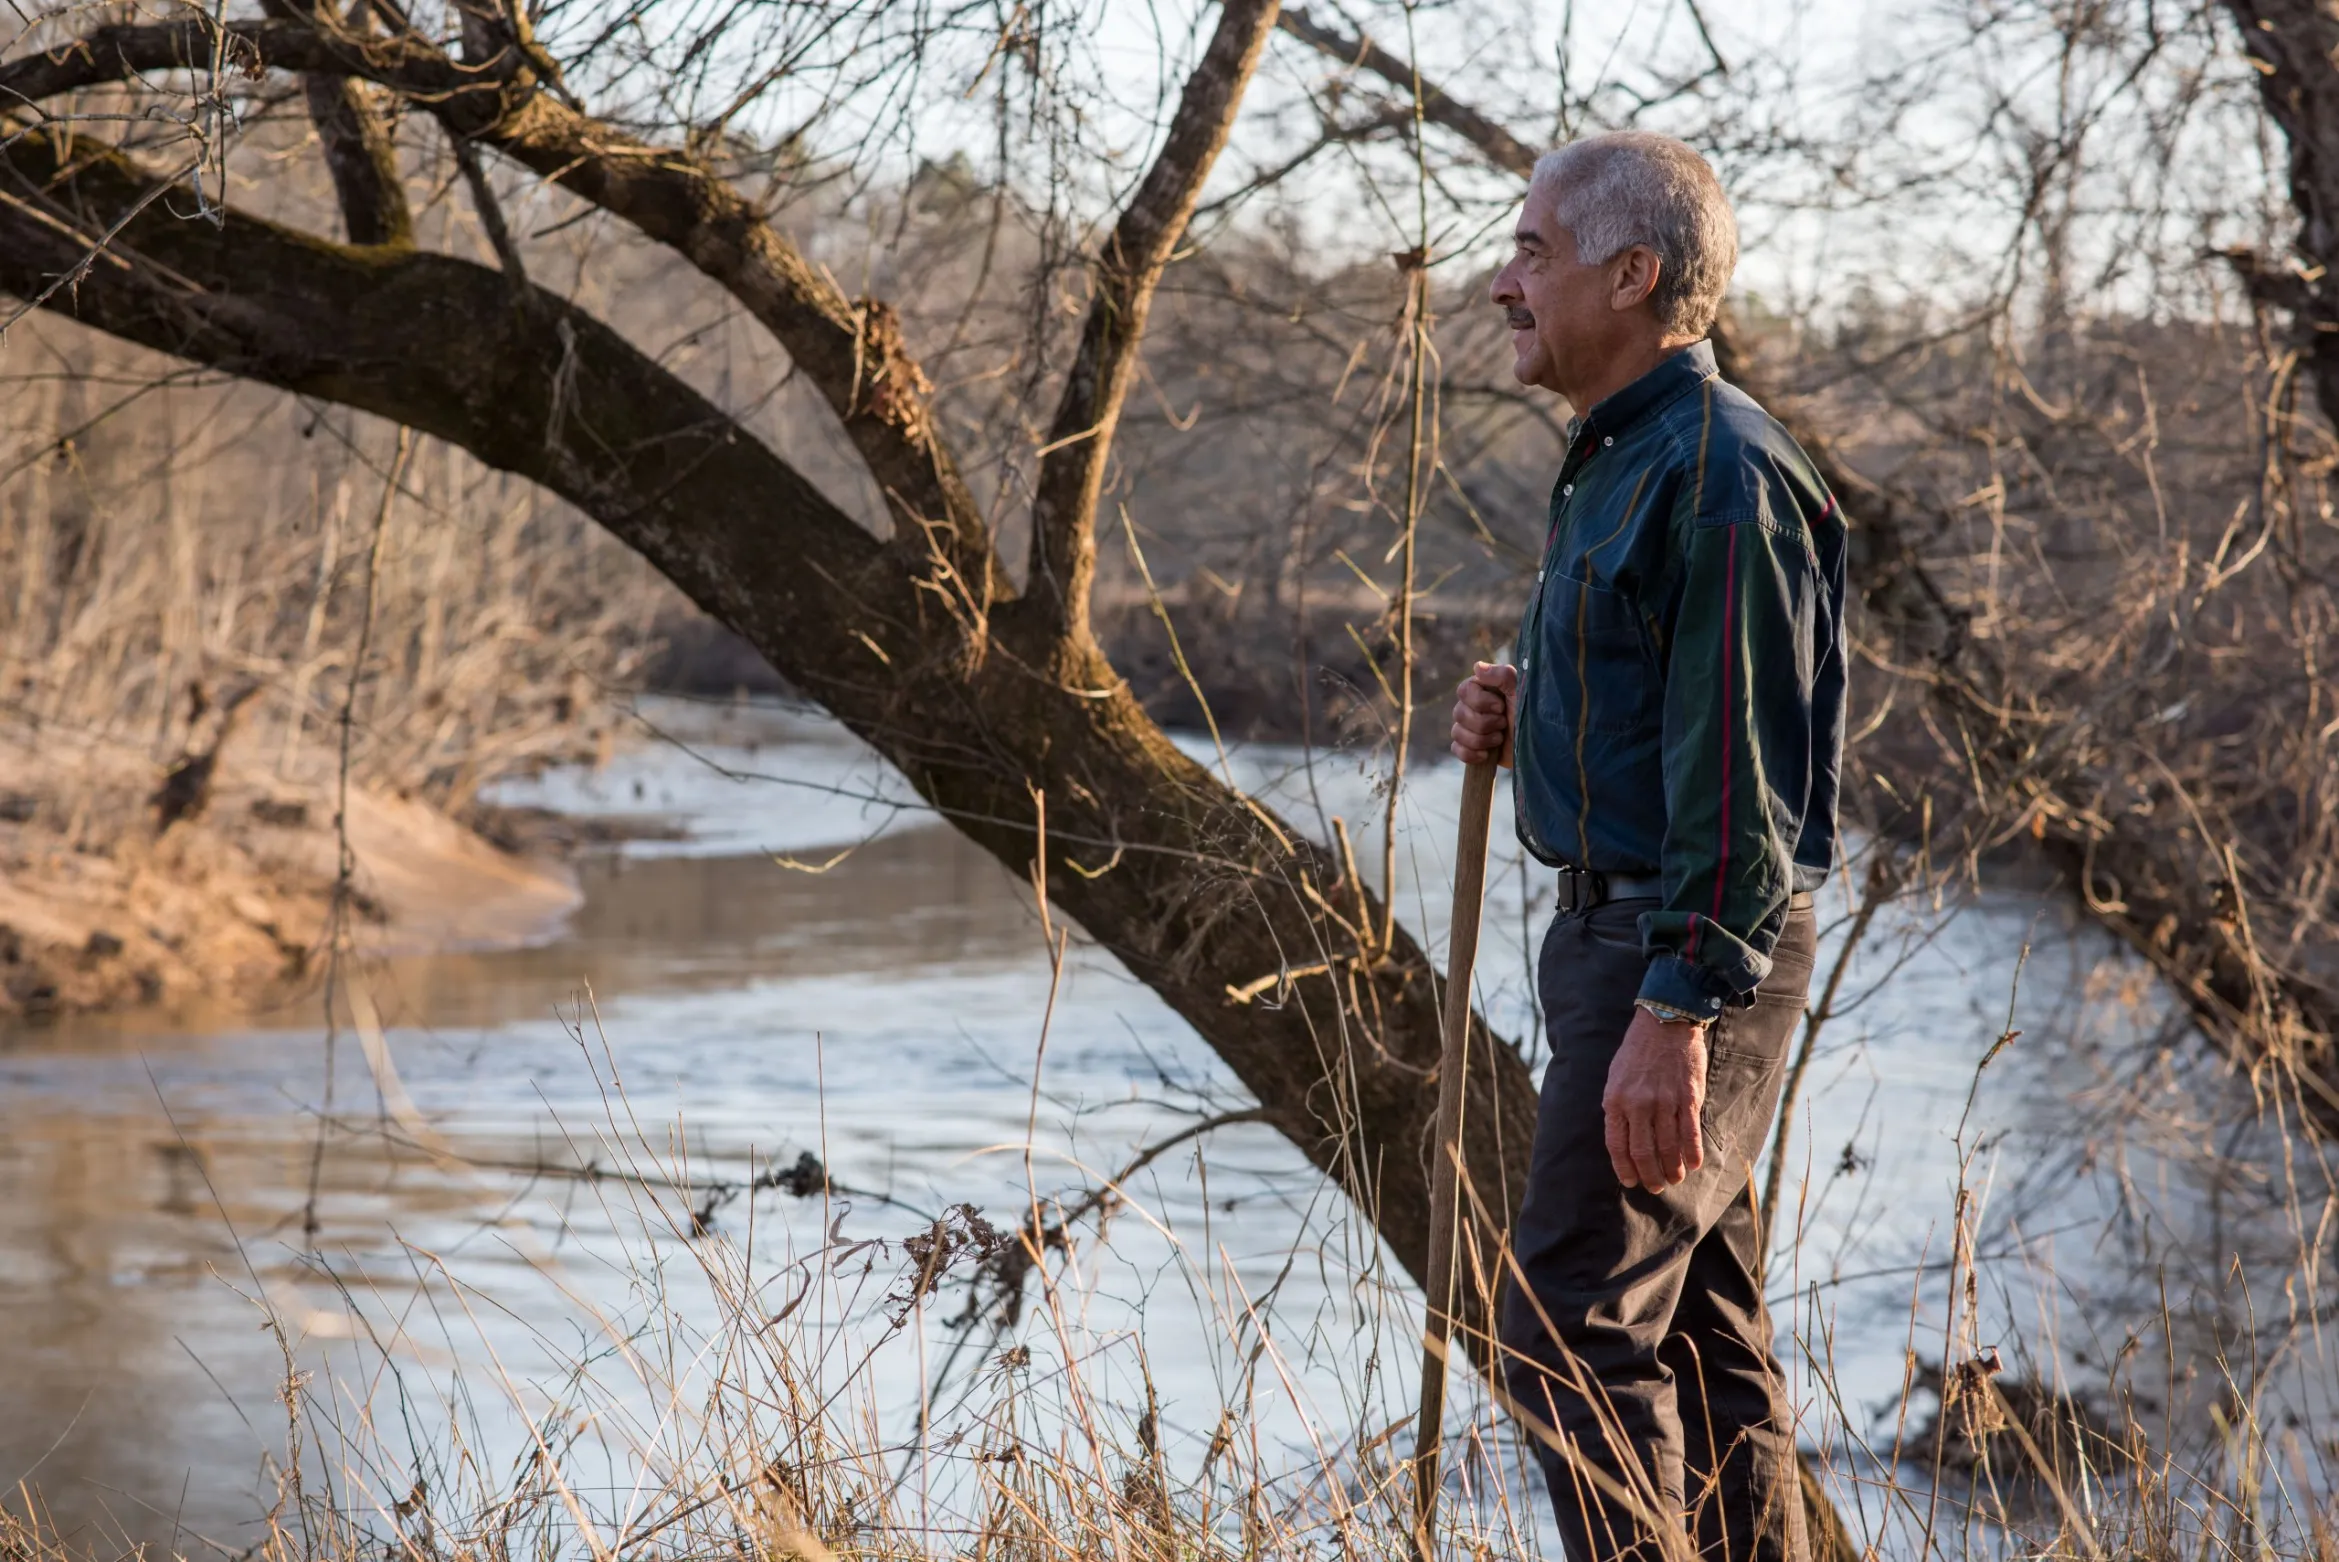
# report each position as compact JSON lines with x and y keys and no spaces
{"x":1636,"y":187}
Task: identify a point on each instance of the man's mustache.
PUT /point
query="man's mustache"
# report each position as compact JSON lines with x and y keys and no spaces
{"x":1519,"y":319}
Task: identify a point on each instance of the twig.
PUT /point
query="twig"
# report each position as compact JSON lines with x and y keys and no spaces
{"x":1177,"y":651}
{"x":491,"y":214}
{"x":1883,"y":883}
{"x":345,"y":862}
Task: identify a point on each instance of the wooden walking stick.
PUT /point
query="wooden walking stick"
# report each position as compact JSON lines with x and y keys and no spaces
{"x":1444,"y":1178}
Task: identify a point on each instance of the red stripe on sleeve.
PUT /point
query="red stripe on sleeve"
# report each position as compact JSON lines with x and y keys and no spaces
{"x":1727,"y":694}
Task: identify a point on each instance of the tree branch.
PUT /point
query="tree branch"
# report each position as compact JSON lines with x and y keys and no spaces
{"x":853,"y":351}
{"x":433,"y":343}
{"x":123,"y":52}
{"x":1496,"y":144}
{"x":358,"y":150}
{"x":362,"y":159}
{"x":491,"y":212}
{"x":1071,"y":476}
{"x":2292,"y":42}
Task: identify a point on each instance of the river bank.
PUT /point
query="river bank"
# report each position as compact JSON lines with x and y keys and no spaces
{"x":107,"y":903}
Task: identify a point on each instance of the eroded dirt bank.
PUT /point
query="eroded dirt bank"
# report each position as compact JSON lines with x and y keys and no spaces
{"x":103,"y":906}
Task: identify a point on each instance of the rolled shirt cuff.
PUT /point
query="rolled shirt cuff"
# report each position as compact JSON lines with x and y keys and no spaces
{"x":1674,"y":988}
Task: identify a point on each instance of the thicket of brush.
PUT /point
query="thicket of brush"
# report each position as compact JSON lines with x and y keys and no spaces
{"x":162,"y":531}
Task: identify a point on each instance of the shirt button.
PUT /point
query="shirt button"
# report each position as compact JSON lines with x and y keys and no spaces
{"x":1538,"y":577}
{"x":1569,"y":489}
{"x":1526,"y":662}
{"x":1609,"y":441}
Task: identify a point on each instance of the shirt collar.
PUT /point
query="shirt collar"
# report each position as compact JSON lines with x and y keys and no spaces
{"x":1687,"y":369}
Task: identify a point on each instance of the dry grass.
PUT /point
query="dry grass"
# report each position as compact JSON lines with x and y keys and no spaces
{"x":188,"y":589}
{"x":206,"y":578}
{"x":160,"y":531}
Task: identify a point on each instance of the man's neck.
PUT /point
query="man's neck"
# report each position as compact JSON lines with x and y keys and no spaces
{"x":1624,"y":368}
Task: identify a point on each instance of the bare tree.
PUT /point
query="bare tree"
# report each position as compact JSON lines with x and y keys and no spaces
{"x":995,"y":702}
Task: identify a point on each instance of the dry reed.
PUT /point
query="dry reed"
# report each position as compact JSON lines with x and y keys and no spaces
{"x":159,"y":532}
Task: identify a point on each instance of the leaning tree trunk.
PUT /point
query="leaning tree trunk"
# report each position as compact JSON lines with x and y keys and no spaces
{"x":1002,"y":713}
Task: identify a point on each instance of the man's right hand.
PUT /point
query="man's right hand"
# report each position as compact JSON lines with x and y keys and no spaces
{"x":1483,"y":718}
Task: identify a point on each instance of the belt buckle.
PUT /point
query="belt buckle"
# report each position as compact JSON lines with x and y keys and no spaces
{"x":1578,"y":881}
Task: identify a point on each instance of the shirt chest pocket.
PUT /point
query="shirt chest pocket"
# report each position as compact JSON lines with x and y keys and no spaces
{"x":1601,"y":656}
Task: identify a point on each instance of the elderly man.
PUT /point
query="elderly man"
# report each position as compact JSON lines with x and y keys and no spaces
{"x":1676,"y":725}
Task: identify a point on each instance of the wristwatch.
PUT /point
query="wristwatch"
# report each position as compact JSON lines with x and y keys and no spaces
{"x":1667,"y":1013}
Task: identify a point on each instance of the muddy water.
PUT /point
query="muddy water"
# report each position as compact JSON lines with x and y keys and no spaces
{"x":719,"y":1000}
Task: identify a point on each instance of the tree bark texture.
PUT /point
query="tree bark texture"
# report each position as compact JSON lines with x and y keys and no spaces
{"x":359,"y":153}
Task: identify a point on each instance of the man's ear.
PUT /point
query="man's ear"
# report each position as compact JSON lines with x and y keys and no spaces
{"x":1632,"y":277}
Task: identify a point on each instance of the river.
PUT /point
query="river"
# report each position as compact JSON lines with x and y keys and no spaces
{"x":752,"y":991}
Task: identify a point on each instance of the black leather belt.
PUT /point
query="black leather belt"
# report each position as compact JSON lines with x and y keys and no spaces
{"x":1580,"y":889}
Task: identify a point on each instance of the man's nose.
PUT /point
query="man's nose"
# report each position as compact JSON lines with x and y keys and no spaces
{"x":1502,"y":291}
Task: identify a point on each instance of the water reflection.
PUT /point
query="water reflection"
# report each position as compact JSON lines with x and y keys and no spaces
{"x":914,"y":899}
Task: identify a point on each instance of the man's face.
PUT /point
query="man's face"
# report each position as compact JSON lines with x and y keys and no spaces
{"x":1560,"y":312}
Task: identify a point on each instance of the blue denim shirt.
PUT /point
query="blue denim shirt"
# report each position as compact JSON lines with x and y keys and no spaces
{"x":1681,"y":674}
